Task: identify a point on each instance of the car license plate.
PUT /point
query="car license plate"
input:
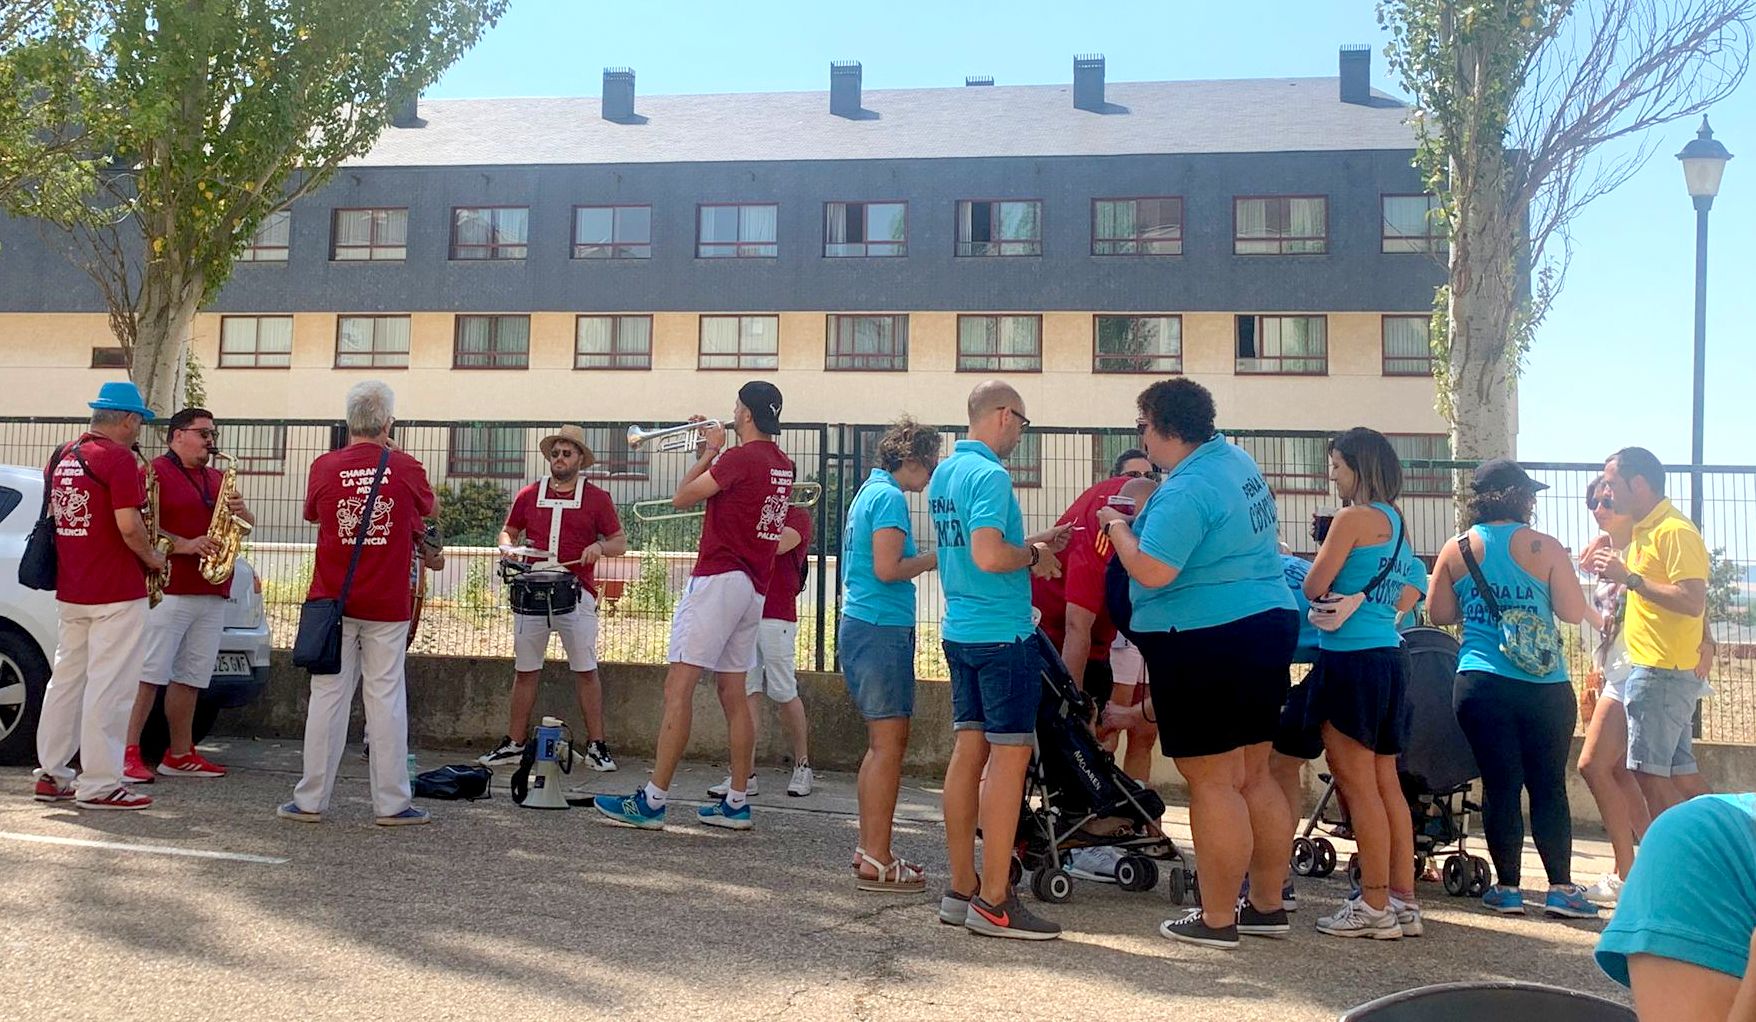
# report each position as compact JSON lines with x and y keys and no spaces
{"x":231,"y":663}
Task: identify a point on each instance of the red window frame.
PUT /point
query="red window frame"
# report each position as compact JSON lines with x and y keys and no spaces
{"x":111,"y":357}
{"x":1431,"y":482}
{"x":963,"y":248}
{"x":492,"y":465}
{"x":1282,"y":241}
{"x":635,"y":249}
{"x":900,"y":247}
{"x":491,"y":249}
{"x":740,"y":245}
{"x":1275,"y":471}
{"x":1137,"y":239}
{"x":1407,"y":365}
{"x":250,"y":462}
{"x":615,"y":459}
{"x":620,"y":361}
{"x":1153,"y":366}
{"x":743,"y":358}
{"x":999,"y":363}
{"x":1433,"y":241}
{"x":1278,"y":359}
{"x":497,"y":359}
{"x":374,"y":364}
{"x":255,"y":353}
{"x":838,"y":361}
{"x":375,"y":244}
{"x":252,"y":252}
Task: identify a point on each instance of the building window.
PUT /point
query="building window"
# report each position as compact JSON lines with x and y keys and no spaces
{"x":612,"y":232}
{"x":491,"y":342}
{"x":110,"y":358}
{"x":999,"y":228}
{"x":256,"y":342}
{"x":866,"y":342}
{"x":1025,"y":463}
{"x":269,"y":243}
{"x":1005,"y":344}
{"x":1408,"y":346}
{"x":501,"y":232}
{"x":1412,"y":224}
{"x":1106,"y":448}
{"x":486,"y":452}
{"x":865,"y":229}
{"x":257,"y":450}
{"x":369,"y":234}
{"x":1290,"y":464}
{"x":1289,"y":345}
{"x":1137,"y":227}
{"x":740,"y":342}
{"x":1423,"y":480}
{"x":372,"y":342}
{"x":612,"y":342}
{"x":746,"y":232}
{"x":616,"y":460}
{"x":1280,"y":225}
{"x":1137,"y":344}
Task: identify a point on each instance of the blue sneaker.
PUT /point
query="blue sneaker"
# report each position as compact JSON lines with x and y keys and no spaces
{"x":1568,"y":901}
{"x":1505,"y":900}
{"x":410,"y":817}
{"x":291,"y":811}
{"x":722,"y":815}
{"x":631,"y":811}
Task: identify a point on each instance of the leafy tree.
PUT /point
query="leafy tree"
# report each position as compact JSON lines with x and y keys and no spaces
{"x":471,"y":513}
{"x":1722,"y":589}
{"x":42,"y":163}
{"x":1516,"y":100}
{"x":215,"y":114}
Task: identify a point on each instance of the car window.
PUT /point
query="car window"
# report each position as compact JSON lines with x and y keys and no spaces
{"x":9,"y":499}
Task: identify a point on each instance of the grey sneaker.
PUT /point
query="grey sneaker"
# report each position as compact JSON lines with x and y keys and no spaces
{"x":1008,"y":919}
{"x":719,"y":790}
{"x":1355,"y":918}
{"x":1256,"y":923}
{"x":508,"y":751}
{"x":953,"y":908}
{"x":1191,"y":928}
{"x":1408,"y":917}
{"x":800,"y":785}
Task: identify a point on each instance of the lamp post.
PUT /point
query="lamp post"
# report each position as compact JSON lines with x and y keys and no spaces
{"x":1704,"y":160}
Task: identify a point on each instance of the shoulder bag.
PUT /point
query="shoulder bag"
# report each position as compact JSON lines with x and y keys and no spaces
{"x":37,"y":565}
{"x":317,"y":647}
{"x":1331,"y":610}
{"x":1529,"y":639}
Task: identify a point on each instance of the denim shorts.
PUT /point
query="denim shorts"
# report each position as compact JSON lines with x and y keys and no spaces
{"x":1661,"y":710}
{"x":995,"y":688}
{"x":878,"y":664}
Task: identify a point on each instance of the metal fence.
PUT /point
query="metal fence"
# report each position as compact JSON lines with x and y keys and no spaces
{"x":477,"y":466}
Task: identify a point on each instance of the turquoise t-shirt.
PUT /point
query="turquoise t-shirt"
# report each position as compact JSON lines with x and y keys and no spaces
{"x":1513,"y":587}
{"x":880,"y":504}
{"x":1372,"y":625}
{"x":1692,"y":894}
{"x":971,"y":490}
{"x":1213,"y":519}
{"x":1296,"y":568}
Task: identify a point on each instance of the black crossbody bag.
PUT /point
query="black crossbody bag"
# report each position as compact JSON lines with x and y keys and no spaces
{"x":317,"y":648}
{"x":38,"y":567}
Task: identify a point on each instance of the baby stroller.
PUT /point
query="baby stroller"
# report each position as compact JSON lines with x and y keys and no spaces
{"x":1077,"y":797}
{"x":1436,"y":770}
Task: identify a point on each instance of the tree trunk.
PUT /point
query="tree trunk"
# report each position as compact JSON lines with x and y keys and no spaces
{"x":167,"y":308}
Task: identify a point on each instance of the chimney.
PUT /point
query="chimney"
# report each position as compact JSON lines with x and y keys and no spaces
{"x":1356,"y":73}
{"x":844,"y":88}
{"x":619,"y":94}
{"x":979,"y":80}
{"x":1088,"y":82}
{"x":404,"y":113}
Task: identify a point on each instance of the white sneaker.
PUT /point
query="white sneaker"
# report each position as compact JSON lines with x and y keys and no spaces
{"x":1355,"y":918}
{"x":1607,"y":890}
{"x":719,"y":790}
{"x":799,"y":786}
{"x":1097,"y":864}
{"x":1408,"y":917}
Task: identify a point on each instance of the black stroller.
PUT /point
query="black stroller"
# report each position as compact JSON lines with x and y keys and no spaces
{"x":1436,"y":770}
{"x":1077,"y":797}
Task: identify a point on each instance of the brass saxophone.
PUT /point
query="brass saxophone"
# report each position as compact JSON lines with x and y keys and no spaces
{"x":225,"y":528}
{"x":155,"y":580}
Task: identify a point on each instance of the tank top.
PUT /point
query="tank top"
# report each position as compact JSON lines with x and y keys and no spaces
{"x":1513,"y":587}
{"x":1372,"y":625}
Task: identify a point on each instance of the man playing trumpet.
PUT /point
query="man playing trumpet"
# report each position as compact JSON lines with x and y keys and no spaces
{"x":183,"y":631}
{"x":747,"y":490}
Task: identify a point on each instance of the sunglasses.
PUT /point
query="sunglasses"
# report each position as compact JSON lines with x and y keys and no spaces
{"x":1137,"y":474}
{"x":205,"y":434}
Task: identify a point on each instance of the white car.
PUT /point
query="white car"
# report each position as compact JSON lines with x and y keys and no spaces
{"x":27,"y":636}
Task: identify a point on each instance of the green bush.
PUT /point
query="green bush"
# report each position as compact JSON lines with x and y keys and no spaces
{"x":651,"y":592}
{"x":472,"y":513}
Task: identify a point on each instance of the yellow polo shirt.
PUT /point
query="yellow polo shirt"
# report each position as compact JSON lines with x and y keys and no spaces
{"x":1666,"y":548}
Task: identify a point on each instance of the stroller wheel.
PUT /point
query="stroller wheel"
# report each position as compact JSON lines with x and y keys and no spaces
{"x":1136,"y":873}
{"x":1481,"y":877}
{"x":1457,"y":873}
{"x":1178,"y":884}
{"x":1353,"y":869}
{"x":1016,"y":872}
{"x":1325,"y":856}
{"x":1304,"y":856}
{"x":1051,"y":885}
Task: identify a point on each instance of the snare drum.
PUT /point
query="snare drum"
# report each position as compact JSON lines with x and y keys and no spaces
{"x":544,"y":593}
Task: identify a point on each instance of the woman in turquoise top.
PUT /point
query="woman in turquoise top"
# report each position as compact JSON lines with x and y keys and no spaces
{"x":1519,"y":724}
{"x":1357,"y":691}
{"x":876,"y":640}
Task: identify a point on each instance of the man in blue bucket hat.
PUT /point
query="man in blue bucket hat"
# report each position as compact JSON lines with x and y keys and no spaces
{"x":102,"y":555}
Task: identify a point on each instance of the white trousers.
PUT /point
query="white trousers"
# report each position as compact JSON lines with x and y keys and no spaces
{"x":371,"y":659}
{"x":98,"y":654}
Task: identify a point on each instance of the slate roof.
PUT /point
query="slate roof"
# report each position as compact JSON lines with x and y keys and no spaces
{"x":1240,"y":116}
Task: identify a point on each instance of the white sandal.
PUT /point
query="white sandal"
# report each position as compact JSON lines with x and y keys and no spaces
{"x":898,"y":876}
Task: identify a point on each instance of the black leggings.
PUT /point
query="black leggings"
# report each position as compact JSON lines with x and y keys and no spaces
{"x":1522,"y":734}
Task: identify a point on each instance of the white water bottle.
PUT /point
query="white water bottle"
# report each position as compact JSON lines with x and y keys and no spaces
{"x":412,"y":768}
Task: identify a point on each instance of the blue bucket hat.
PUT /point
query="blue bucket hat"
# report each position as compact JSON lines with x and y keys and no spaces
{"x":122,"y":396}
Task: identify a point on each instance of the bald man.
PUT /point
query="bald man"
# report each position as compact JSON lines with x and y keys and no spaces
{"x":985,"y":564}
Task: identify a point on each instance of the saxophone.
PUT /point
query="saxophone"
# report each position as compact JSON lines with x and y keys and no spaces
{"x":226,"y":529}
{"x":155,"y":580}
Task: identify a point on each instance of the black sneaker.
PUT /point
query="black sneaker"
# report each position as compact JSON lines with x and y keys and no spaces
{"x":508,"y":751}
{"x":1009,"y":919}
{"x":597,"y":756}
{"x":1257,"y":923}
{"x":1190,"y":929}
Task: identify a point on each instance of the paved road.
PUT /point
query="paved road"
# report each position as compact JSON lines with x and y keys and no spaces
{"x":498,"y":912}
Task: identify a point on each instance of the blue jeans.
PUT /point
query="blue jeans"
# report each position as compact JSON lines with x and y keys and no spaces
{"x":995,"y":688}
{"x":878,"y":664}
{"x":1661,"y":709}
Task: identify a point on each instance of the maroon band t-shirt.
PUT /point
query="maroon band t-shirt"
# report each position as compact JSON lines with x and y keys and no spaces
{"x":782,"y":603}
{"x":93,"y":562}
{"x":745,"y":517}
{"x":186,"y":499}
{"x":335,"y":498}
{"x":594,"y":519}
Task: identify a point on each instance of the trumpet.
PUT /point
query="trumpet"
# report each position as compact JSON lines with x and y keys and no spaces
{"x":659,"y":509}
{"x":684,"y":437}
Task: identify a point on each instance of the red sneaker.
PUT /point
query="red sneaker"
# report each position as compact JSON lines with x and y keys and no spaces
{"x":50,"y":790}
{"x":134,"y":769}
{"x":192,"y":765}
{"x":120,"y":798}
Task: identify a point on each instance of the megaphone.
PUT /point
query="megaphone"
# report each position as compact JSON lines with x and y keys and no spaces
{"x":536,"y":784}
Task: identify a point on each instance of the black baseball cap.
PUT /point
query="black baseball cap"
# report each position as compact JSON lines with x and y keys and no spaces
{"x":763,"y":400}
{"x":1503,"y":474}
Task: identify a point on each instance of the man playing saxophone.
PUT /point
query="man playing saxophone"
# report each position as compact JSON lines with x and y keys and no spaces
{"x":183,"y":631}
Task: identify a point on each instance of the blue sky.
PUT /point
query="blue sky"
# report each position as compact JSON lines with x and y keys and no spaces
{"x":1611,"y":366}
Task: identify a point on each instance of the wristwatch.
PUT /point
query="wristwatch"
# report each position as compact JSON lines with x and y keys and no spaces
{"x":1036,"y":554}
{"x":1635,"y":581}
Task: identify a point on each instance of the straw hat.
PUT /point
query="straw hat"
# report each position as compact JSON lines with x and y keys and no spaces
{"x":573,"y":435}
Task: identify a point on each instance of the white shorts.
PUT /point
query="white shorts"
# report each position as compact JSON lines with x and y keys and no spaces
{"x":1127,"y":666}
{"x":578,"y":629}
{"x":183,"y":640}
{"x":716,"y":623}
{"x":774,"y":668}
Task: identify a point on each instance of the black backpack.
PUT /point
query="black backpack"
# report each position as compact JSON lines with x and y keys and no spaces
{"x":464,"y":783}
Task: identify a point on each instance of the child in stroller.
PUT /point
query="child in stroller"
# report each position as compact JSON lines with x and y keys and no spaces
{"x":1077,"y":797}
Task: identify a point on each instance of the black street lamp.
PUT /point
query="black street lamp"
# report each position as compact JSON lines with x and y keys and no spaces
{"x":1704,"y":160}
